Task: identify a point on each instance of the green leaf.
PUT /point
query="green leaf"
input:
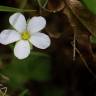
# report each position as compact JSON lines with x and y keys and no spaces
{"x":90,"y":4}
{"x":24,"y":93}
{"x":93,"y":39}
{"x":12,"y":9}
{"x":42,"y":3}
{"x":35,"y":67}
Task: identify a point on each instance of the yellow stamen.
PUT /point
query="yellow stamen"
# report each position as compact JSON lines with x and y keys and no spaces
{"x":25,"y":35}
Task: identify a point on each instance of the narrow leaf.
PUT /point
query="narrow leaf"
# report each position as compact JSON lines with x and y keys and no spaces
{"x":93,"y":39}
{"x":12,"y":9}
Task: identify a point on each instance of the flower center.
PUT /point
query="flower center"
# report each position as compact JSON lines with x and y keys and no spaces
{"x":25,"y":35}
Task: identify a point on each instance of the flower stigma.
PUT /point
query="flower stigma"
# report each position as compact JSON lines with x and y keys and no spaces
{"x":25,"y":35}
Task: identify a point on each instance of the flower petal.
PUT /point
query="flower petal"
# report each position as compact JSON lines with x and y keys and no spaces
{"x":36,"y":24}
{"x":9,"y":36}
{"x":22,"y":49}
{"x":17,"y":20}
{"x":40,"y":40}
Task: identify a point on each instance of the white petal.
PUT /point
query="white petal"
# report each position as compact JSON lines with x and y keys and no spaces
{"x":9,"y":36}
{"x":22,"y":49}
{"x":40,"y":40}
{"x":36,"y":24}
{"x":17,"y":20}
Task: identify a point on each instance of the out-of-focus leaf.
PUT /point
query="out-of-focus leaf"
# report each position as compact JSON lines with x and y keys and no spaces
{"x":56,"y":25}
{"x":51,"y":5}
{"x":24,"y":93}
{"x":35,"y":67}
{"x":53,"y":91}
{"x":91,"y":5}
{"x":93,"y":39}
{"x":12,"y":9}
{"x":55,"y":5}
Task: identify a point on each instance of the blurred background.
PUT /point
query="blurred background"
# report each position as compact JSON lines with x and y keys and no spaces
{"x":67,"y":67}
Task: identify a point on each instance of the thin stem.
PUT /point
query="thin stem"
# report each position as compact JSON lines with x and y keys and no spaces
{"x":74,"y":46}
{"x":85,"y":63}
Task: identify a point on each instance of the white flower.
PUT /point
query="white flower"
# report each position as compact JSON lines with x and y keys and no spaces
{"x":25,"y":34}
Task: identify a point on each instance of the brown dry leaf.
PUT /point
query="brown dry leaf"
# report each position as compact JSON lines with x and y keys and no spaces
{"x":58,"y":25}
{"x":89,"y":22}
{"x":85,"y":46}
{"x":55,"y":5}
{"x":83,"y":15}
{"x":55,"y":25}
{"x":82,"y":35}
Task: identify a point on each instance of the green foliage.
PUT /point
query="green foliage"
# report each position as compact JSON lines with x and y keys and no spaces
{"x":35,"y":67}
{"x":12,"y":9}
{"x":93,"y":39}
{"x":53,"y":91}
{"x":24,"y":93}
{"x":91,"y":5}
